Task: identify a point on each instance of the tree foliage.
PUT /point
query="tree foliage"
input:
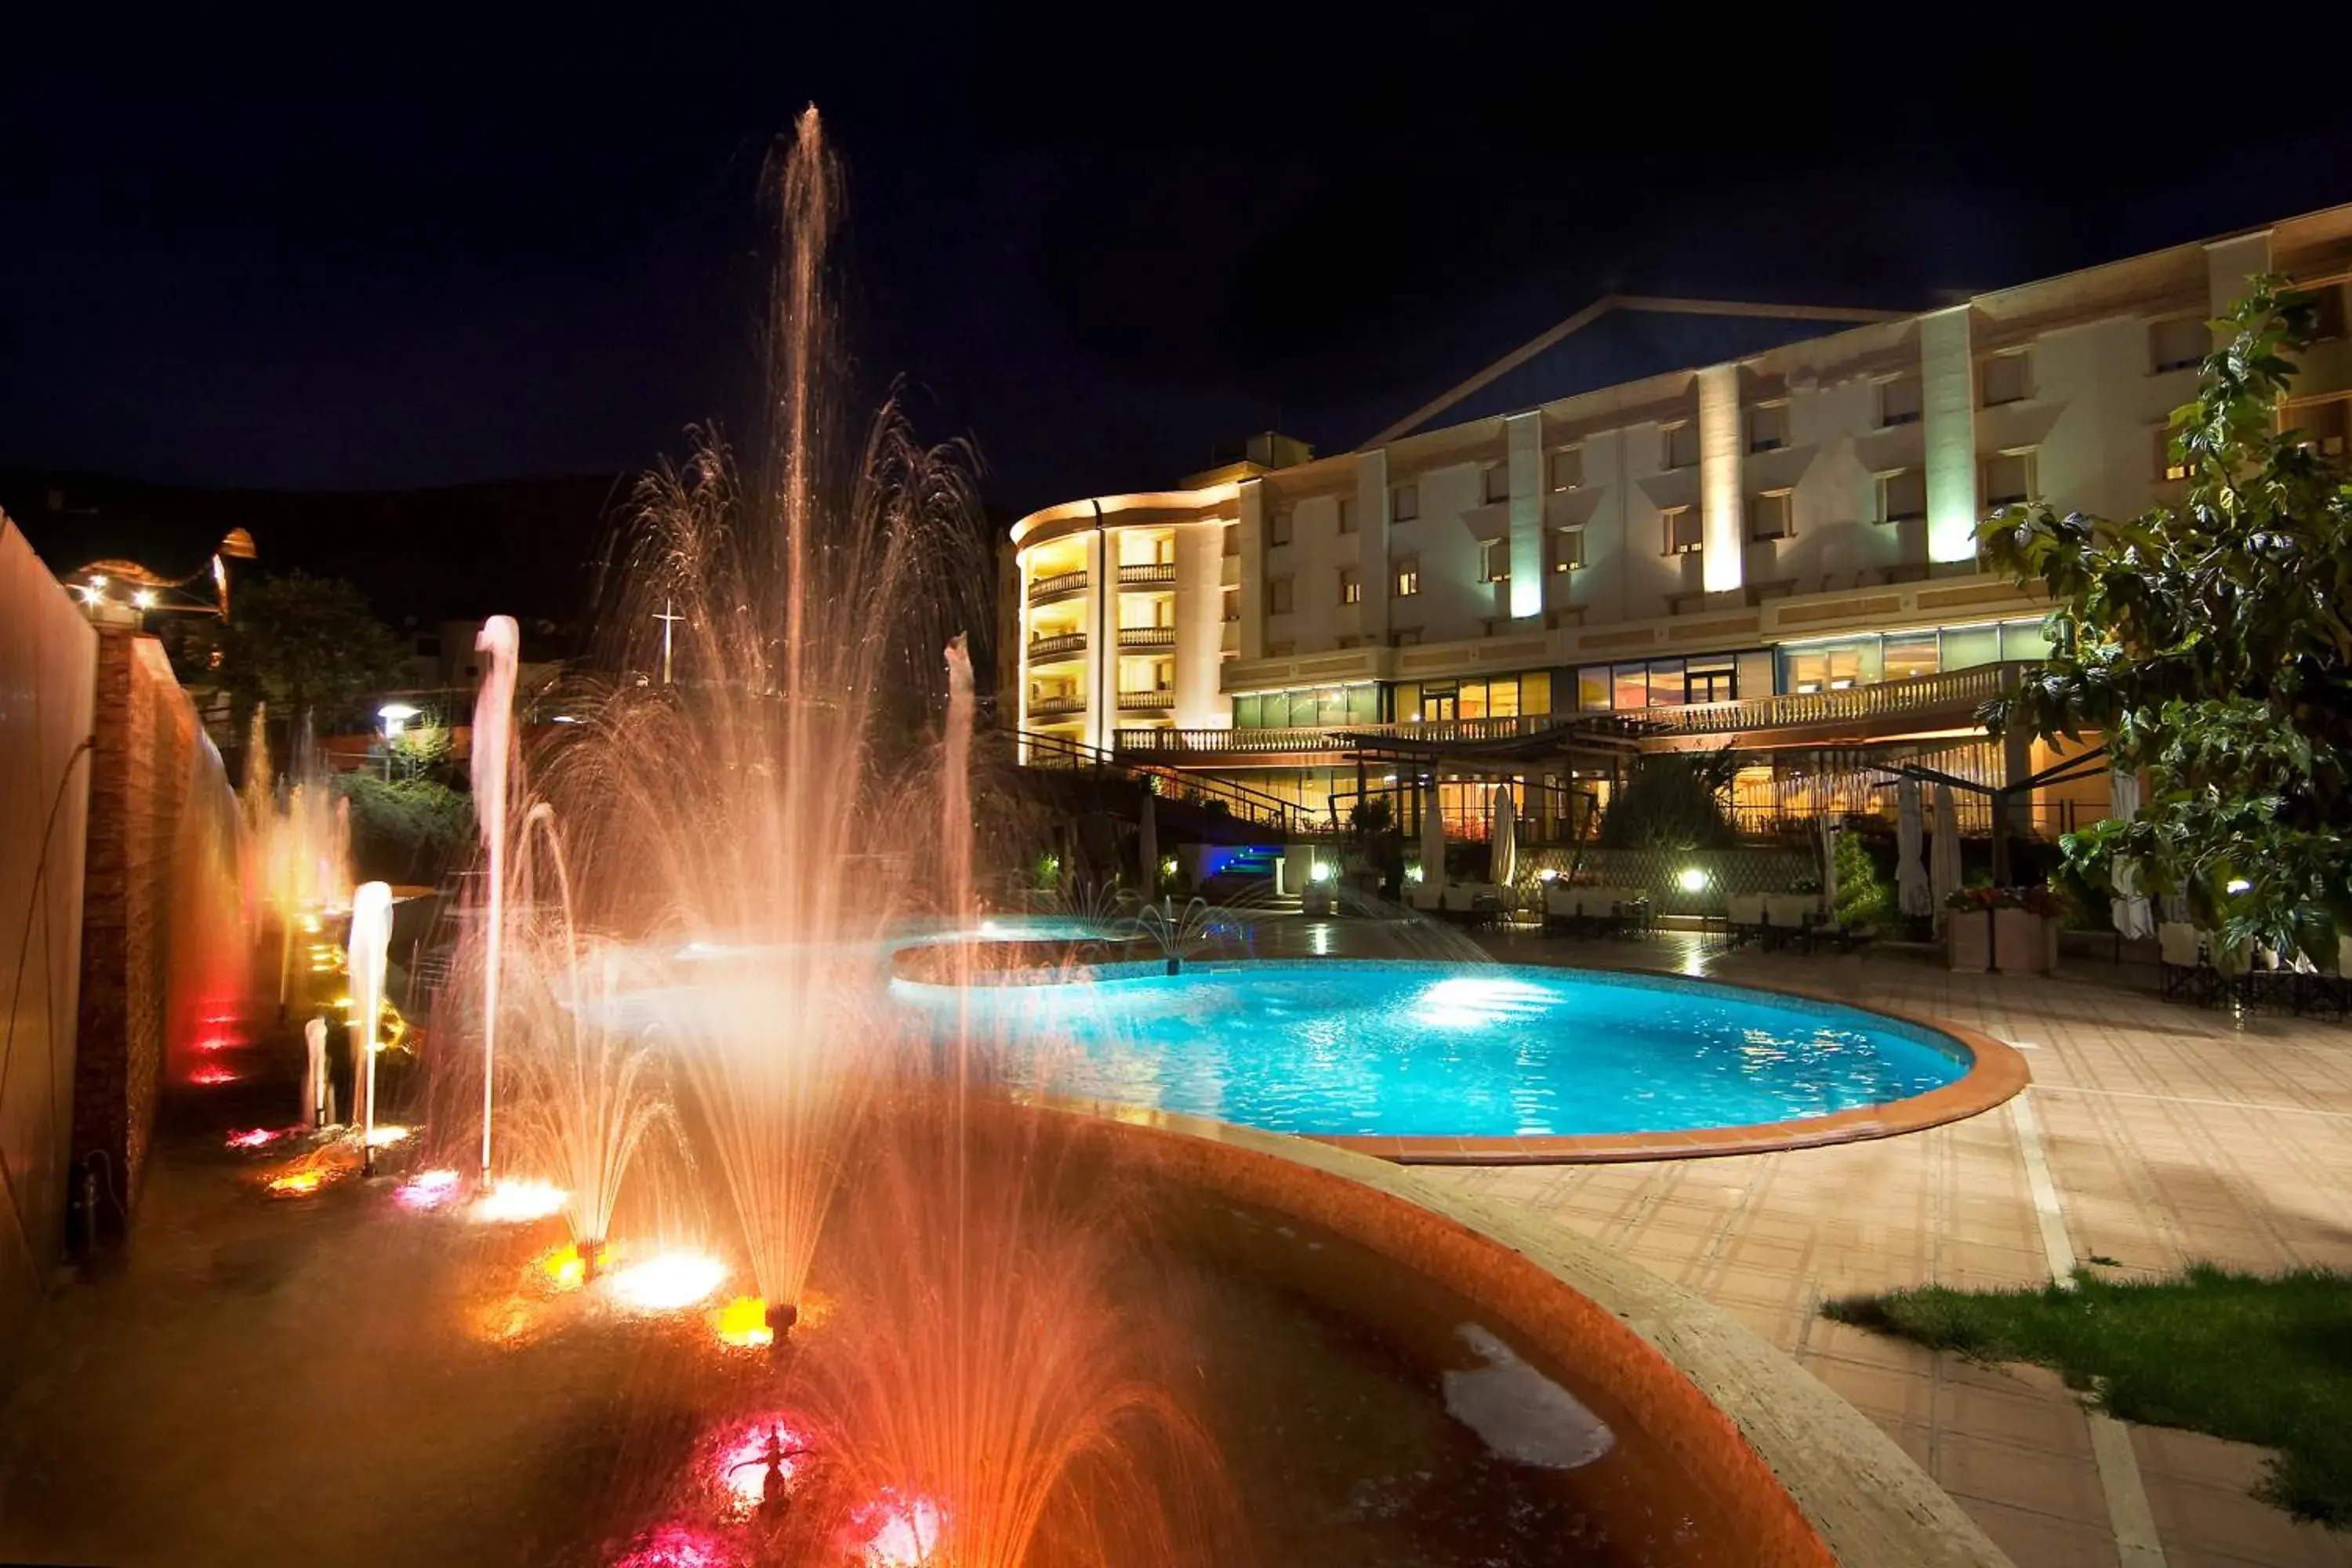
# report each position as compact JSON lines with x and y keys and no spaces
{"x":2206,"y":640}
{"x":1674,"y":802}
{"x":301,"y":642}
{"x":406,"y":830}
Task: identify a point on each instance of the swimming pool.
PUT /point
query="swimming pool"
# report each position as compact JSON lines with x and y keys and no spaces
{"x":1417,"y":1051}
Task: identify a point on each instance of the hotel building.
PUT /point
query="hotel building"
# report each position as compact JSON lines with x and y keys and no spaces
{"x":1774,"y":553}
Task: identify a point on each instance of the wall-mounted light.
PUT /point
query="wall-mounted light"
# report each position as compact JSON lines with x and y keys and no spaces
{"x":1692,"y":879}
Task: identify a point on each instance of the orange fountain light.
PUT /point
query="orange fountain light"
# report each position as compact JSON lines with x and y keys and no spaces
{"x":743,"y":1322}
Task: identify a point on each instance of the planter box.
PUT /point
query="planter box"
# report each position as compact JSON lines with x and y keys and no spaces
{"x":2024,"y":942}
{"x":2015,"y":942}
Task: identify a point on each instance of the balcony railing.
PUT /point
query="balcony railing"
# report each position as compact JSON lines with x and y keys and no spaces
{"x":1055,"y":586}
{"x":1058,"y":646}
{"x":1146,"y":701}
{"x":1951,"y":690}
{"x":1147,"y":637}
{"x":1055,"y":707}
{"x":1148,"y":575}
{"x":1330,"y":737}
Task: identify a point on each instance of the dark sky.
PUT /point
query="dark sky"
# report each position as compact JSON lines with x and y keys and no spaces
{"x":322,"y":248}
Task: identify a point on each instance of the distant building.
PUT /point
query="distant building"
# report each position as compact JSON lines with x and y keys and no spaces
{"x":1776,"y":551}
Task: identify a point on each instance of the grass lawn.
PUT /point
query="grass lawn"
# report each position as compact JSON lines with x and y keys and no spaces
{"x":2259,"y":1359}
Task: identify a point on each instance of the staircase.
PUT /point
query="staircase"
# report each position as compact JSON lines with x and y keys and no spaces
{"x":1246,"y":877}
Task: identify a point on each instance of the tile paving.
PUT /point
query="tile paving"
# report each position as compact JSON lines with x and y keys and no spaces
{"x":2169,"y":1134}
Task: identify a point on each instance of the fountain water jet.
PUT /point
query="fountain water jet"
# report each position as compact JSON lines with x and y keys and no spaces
{"x":371,"y":936}
{"x":493,"y":744}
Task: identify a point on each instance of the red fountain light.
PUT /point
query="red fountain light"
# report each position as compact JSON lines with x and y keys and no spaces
{"x":212,"y":1074}
{"x":256,"y":1136}
{"x":895,"y":1531}
{"x":676,"y":1546}
{"x":750,"y":1452}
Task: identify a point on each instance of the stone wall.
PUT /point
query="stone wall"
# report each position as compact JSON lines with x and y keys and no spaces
{"x":142,"y":760}
{"x":46,"y":649}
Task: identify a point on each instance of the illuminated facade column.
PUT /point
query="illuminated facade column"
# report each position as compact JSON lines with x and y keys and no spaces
{"x":1724,"y":553}
{"x":1947,"y":410}
{"x":1523,"y":440}
{"x":1021,"y":637}
{"x":1252,"y":550}
{"x":1372,"y":543}
{"x":1200,"y":627}
{"x":1102,"y":638}
{"x":2230,"y":266}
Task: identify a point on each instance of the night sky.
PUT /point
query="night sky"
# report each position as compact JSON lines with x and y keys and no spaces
{"x":321,"y":249}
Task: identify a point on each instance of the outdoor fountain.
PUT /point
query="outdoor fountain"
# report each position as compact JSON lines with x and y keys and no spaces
{"x":370,"y":935}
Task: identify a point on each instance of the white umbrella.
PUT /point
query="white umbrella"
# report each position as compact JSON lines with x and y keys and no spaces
{"x":1433,"y":838}
{"x":1910,"y":875}
{"x":2134,"y":915}
{"x":1505,"y":837}
{"x":1829,"y":864}
{"x":1147,"y":846}
{"x":1944,"y":855}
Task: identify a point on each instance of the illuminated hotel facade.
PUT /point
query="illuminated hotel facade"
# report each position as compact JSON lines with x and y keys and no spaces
{"x":1776,"y":548}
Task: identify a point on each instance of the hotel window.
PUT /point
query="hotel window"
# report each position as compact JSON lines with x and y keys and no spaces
{"x":2008,"y":478}
{"x":1961,"y":647}
{"x":1684,"y":531}
{"x":1898,"y":401}
{"x":1564,"y":549}
{"x":1277,"y":596}
{"x":2328,"y":320}
{"x":1233,"y":604}
{"x":1346,"y":514}
{"x":2180,"y":343}
{"x":1278,"y":526}
{"x":1769,"y":516}
{"x":1903,"y":496}
{"x":2006,"y":378}
{"x":1711,"y":680}
{"x":1682,"y":446}
{"x":1592,"y":689}
{"x":1496,"y":484}
{"x":2170,"y":465}
{"x":1351,"y":586}
{"x":1832,"y":669}
{"x":1629,"y":687}
{"x":2326,"y":426}
{"x":1495,"y":560}
{"x":1767,"y":426}
{"x":1564,"y":469}
{"x":1912,"y":653}
{"x":1404,"y":503}
{"x":1406,"y":581}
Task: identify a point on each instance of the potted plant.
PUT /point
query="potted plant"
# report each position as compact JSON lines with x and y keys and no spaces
{"x":2013,"y":930}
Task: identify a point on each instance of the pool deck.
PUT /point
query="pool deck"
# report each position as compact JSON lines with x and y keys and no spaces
{"x":2152,"y":1134}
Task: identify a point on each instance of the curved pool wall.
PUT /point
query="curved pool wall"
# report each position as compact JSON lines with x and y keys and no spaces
{"x":1431,"y":1062}
{"x":1809,"y":1482}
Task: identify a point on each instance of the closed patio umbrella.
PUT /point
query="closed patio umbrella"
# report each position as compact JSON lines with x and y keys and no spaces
{"x":1910,"y":874}
{"x":1504,"y":839}
{"x":2134,"y":915}
{"x":1943,"y":854}
{"x":1433,"y":838}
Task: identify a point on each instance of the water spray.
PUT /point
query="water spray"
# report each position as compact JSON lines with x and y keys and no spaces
{"x":371,"y":936}
{"x":493,"y":744}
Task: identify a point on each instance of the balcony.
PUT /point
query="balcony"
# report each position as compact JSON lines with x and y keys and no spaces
{"x":1147,"y":637}
{"x":1055,"y":707}
{"x":1146,"y":701}
{"x":1330,"y":737}
{"x":1150,"y":574}
{"x":1953,"y":691}
{"x":1057,"y":587}
{"x":1052,"y":650}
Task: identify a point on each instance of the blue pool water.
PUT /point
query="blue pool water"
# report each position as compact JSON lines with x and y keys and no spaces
{"x":1462,"y":1050}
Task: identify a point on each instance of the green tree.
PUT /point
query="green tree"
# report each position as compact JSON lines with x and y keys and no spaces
{"x":301,"y":642}
{"x":1674,"y":801}
{"x":406,"y":830}
{"x":2206,"y":640}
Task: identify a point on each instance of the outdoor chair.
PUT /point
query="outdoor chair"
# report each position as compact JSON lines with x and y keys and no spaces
{"x":1788,"y":917}
{"x":1743,"y":916}
{"x":2182,"y":971}
{"x":1559,"y":906}
{"x":1424,"y":898}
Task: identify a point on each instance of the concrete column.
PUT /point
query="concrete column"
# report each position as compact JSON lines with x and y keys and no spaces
{"x":1200,"y":627}
{"x":1523,"y":434}
{"x":1021,"y":648}
{"x":2230,"y":265}
{"x":1372,"y":543}
{"x":1102,"y":640}
{"x":1724,"y":556}
{"x":1948,"y":408}
{"x":1251,"y":529}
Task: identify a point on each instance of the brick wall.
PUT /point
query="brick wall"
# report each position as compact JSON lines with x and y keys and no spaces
{"x":145,"y":736}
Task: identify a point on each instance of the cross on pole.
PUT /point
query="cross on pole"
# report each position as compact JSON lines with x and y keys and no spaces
{"x":669,"y":621}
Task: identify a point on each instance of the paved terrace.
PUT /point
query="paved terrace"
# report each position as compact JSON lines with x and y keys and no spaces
{"x":2154,"y":1134}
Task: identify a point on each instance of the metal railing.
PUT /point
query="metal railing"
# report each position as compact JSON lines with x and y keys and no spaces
{"x":1147,"y":637}
{"x":1884,"y":699}
{"x":1334,"y":737}
{"x":1055,"y":646}
{"x":1146,"y":701}
{"x":1052,"y":587}
{"x":1149,"y":574}
{"x":1279,"y":816}
{"x":1055,"y":707}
